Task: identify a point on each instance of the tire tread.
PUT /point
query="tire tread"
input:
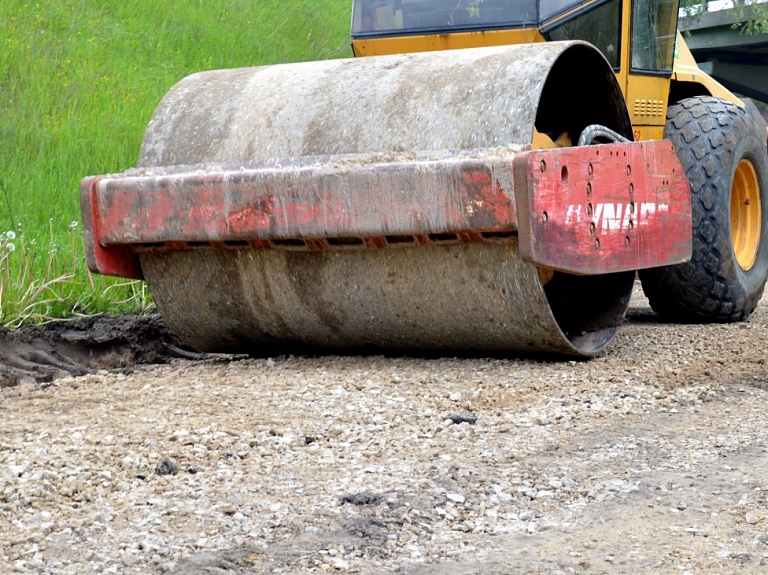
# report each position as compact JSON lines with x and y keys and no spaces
{"x":704,"y":132}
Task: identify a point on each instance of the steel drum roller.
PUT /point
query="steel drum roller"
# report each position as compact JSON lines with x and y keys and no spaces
{"x":473,"y":297}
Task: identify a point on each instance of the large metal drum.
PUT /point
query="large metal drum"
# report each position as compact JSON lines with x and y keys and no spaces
{"x":475,"y":297}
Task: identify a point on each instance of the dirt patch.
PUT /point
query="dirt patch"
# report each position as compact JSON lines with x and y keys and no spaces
{"x":35,"y":354}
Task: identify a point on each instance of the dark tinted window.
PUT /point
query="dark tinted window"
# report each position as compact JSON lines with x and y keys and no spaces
{"x":381,"y":17}
{"x":551,"y":8}
{"x":600,"y":26}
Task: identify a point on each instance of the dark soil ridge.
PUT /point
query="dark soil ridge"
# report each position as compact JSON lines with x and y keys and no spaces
{"x":42,"y":353}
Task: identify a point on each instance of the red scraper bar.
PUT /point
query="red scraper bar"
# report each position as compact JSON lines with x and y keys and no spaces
{"x":601,"y":209}
{"x":584,"y":197}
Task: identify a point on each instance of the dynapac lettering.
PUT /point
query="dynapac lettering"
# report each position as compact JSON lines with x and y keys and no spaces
{"x":609,"y":216}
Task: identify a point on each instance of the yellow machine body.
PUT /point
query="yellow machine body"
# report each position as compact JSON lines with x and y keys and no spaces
{"x":672,"y":73}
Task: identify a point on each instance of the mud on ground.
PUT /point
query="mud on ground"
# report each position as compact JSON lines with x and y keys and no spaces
{"x":41,"y":353}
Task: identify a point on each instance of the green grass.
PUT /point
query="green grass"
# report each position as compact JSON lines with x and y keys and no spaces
{"x":79,"y":81}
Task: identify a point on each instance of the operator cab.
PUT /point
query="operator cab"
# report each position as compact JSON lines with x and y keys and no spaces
{"x":388,"y":26}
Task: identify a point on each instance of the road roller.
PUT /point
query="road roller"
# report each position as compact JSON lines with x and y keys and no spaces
{"x":484,"y":177}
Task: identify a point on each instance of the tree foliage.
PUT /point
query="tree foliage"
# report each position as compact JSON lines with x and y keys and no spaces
{"x":752,"y":15}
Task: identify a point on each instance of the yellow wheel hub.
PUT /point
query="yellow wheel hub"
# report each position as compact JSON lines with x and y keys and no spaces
{"x":746,"y":211}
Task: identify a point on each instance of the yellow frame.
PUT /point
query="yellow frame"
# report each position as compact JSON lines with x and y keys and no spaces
{"x":646,"y":95}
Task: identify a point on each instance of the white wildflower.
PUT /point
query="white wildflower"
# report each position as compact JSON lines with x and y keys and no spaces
{"x":10,"y":235}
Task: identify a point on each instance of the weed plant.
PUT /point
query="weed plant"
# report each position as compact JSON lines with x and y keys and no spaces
{"x":79,"y":81}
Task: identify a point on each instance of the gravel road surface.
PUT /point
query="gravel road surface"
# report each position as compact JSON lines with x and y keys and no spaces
{"x":651,"y":458}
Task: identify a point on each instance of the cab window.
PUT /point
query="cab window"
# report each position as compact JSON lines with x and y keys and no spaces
{"x":551,"y":8}
{"x":654,"y":27}
{"x":600,"y":26}
{"x":397,"y":17}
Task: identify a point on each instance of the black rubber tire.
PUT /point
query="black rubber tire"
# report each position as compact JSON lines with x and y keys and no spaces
{"x":711,"y":136}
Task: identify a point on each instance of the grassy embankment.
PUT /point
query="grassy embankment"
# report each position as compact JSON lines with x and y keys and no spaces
{"x":79,"y":81}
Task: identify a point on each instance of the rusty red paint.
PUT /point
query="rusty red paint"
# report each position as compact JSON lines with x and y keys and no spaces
{"x":112,"y":260}
{"x":459,"y":197}
{"x":602,"y":209}
{"x":361,"y":198}
{"x":426,"y":197}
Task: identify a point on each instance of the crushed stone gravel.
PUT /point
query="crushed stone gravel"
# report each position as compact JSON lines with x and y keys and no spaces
{"x":650,"y":458}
